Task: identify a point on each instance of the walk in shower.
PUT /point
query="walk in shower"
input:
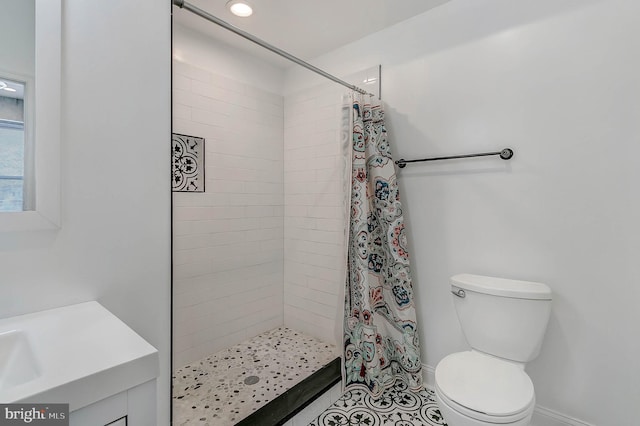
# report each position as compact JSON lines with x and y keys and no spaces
{"x":258,"y":237}
{"x":257,"y":254}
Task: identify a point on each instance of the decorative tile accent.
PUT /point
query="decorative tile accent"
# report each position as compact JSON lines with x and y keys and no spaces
{"x":397,"y":406}
{"x":221,"y":389}
{"x":188,"y":163}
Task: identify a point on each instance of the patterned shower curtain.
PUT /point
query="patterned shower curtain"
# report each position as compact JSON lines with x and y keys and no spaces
{"x":380,"y":334}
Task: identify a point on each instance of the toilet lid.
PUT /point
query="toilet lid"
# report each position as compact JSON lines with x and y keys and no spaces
{"x":484,"y":384}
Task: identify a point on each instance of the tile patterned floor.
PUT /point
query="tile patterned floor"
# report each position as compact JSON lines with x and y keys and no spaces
{"x":397,"y":406}
{"x":225,"y":387}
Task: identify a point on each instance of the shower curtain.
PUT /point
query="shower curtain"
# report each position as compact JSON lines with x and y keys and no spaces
{"x":380,"y":334}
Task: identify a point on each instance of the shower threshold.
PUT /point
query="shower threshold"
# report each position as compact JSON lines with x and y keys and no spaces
{"x":273,"y":375}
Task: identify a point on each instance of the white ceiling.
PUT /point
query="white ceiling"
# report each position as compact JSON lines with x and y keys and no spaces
{"x":304,"y":28}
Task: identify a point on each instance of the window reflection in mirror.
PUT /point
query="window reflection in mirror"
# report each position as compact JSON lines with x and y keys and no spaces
{"x":14,"y":196}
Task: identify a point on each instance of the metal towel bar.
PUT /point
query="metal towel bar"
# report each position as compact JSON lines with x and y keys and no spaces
{"x":505,"y":154}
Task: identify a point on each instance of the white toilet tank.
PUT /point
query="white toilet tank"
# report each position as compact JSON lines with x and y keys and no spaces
{"x":501,"y":317}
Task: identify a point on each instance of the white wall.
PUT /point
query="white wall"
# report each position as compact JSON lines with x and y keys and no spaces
{"x":557,"y":82}
{"x":228,"y":241}
{"x":114,"y":244}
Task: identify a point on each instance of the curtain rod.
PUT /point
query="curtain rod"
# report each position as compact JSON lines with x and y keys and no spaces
{"x":211,"y":18}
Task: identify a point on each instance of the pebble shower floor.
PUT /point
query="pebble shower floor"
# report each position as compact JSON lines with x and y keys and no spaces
{"x":227,"y":386}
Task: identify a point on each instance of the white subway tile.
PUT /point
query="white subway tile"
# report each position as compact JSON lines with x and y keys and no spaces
{"x":295,"y":166}
{"x":208,"y":117}
{"x":332,"y":200}
{"x":291,"y":233}
{"x":324,"y":236}
{"x":268,"y":97}
{"x":257,"y":235}
{"x":295,"y":211}
{"x":293,"y":277}
{"x":181,"y":111}
{"x":331,"y":287}
{"x":186,"y":242}
{"x":191,"y":71}
{"x":192,"y":128}
{"x":327,"y":212}
{"x":330,"y":224}
{"x":209,"y":90}
{"x":191,"y":269}
{"x":182,"y":229}
{"x":333,"y":174}
{"x":192,"y":100}
{"x":181,"y":82}
{"x":270,"y":222}
{"x":309,"y":322}
{"x":229,"y":84}
{"x":299,"y":199}
{"x":222,"y":185}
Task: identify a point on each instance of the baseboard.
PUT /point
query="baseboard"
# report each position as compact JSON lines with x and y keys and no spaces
{"x":546,"y":417}
{"x":541,"y":416}
{"x":429,"y":376}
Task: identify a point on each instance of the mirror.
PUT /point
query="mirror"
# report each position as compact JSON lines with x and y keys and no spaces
{"x":17,"y":70}
{"x":29,"y":115}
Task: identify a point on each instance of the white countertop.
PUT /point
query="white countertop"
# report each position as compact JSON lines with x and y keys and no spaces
{"x":84,"y":353}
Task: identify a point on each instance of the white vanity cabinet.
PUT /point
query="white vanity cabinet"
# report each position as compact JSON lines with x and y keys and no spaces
{"x":134,"y":407}
{"x":84,"y":356}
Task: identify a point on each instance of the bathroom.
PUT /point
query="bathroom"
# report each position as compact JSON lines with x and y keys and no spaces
{"x":554,"y":81}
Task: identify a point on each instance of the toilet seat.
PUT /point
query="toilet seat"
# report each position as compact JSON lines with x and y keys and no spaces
{"x":485,"y":388}
{"x":478,"y":416}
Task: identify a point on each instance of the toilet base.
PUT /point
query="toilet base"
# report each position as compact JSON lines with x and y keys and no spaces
{"x":455,"y":418}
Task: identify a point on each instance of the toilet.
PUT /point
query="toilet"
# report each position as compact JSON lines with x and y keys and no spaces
{"x":504,"y":322}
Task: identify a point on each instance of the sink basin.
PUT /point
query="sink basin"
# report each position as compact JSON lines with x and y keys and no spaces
{"x":18,"y":363}
{"x":77,"y":355}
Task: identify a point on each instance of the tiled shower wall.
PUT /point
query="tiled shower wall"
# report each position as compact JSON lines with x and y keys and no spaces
{"x":314,"y":212}
{"x":243,"y":262}
{"x":228,"y":241}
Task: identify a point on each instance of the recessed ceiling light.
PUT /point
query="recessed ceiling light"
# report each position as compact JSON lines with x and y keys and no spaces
{"x":240,"y":8}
